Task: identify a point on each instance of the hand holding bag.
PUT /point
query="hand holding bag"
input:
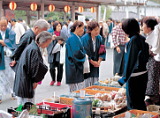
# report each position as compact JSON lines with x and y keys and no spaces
{"x":102,"y":50}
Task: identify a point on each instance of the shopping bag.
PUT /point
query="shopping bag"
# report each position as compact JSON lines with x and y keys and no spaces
{"x":62,"y":54}
{"x":102,"y":49}
{"x":86,"y":66}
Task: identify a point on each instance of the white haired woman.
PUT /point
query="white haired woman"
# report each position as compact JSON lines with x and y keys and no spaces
{"x":31,"y":69}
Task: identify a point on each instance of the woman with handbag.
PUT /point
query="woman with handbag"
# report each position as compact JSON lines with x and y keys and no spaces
{"x":92,"y":42}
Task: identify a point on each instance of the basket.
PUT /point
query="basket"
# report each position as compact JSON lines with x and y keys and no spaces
{"x":138,"y":112}
{"x":66,"y":100}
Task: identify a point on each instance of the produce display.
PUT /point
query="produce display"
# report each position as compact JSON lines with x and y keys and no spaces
{"x":137,"y":114}
{"x":110,"y":101}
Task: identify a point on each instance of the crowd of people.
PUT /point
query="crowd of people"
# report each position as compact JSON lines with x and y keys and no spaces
{"x":75,"y":45}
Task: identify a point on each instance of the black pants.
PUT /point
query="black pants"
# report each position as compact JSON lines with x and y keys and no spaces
{"x":59,"y":71}
{"x":135,"y":92}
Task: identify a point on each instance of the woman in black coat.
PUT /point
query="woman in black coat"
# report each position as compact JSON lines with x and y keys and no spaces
{"x":135,"y":73}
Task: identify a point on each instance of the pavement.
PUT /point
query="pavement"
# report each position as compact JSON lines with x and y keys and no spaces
{"x":46,"y":91}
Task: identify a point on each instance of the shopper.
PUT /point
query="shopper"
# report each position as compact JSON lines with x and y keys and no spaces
{"x":54,"y":56}
{"x":119,"y":40}
{"x":39,"y":26}
{"x":92,"y":42}
{"x":31,"y":68}
{"x":153,"y":65}
{"x":75,"y":57}
{"x":7,"y":46}
{"x":135,"y":73}
{"x":54,"y":60}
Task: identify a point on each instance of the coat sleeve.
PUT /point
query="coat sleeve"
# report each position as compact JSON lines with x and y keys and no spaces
{"x":10,"y":42}
{"x":24,"y":41}
{"x":37,"y":69}
{"x":77,"y":50}
{"x":130,"y":61}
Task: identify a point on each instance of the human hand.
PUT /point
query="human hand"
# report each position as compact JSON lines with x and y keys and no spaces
{"x":118,"y":49}
{"x":2,"y":42}
{"x":13,"y":63}
{"x":95,"y":63}
{"x":53,"y":37}
{"x":35,"y":85}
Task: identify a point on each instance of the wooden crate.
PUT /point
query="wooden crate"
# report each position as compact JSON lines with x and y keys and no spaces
{"x":66,"y":100}
{"x":138,"y":112}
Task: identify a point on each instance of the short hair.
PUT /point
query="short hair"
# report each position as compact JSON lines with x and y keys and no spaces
{"x":86,"y":19}
{"x":76,"y":24}
{"x":59,"y":38}
{"x":70,"y":19}
{"x":43,"y":37}
{"x":41,"y":23}
{"x":14,"y":20}
{"x":151,"y":23}
{"x":50,"y":21}
{"x":131,"y":26}
{"x":20,"y":19}
{"x":55,"y":25}
{"x":92,"y":25}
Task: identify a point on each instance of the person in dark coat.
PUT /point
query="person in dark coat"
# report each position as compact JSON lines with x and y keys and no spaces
{"x":75,"y":57}
{"x":39,"y":26}
{"x":135,"y":73}
{"x":92,"y":42}
{"x":31,"y":68}
{"x":54,"y":60}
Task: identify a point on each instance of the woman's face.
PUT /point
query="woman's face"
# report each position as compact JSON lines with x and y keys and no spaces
{"x":58,"y":28}
{"x":146,"y":29}
{"x":80,"y":30}
{"x":95,"y":32}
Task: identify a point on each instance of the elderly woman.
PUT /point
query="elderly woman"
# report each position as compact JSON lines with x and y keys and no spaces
{"x":75,"y":57}
{"x":92,"y":42}
{"x":31,"y":69}
{"x":135,"y":73}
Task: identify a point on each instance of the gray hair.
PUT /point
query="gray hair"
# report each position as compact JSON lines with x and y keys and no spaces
{"x":41,"y":23}
{"x":43,"y":37}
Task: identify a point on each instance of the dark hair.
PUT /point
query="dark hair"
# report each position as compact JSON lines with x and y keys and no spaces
{"x":50,"y":21}
{"x":110,"y":19}
{"x":86,"y":19}
{"x":92,"y":25}
{"x":20,"y":19}
{"x":55,"y":25}
{"x":70,"y":19}
{"x":59,"y":38}
{"x":76,"y":24}
{"x":131,"y":26}
{"x":65,"y":23}
{"x":151,"y":23}
{"x":13,"y":19}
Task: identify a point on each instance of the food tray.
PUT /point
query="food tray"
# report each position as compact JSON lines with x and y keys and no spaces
{"x":66,"y":100}
{"x":89,"y":90}
{"x":138,"y":112}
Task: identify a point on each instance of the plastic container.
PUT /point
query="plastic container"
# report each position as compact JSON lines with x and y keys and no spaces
{"x":82,"y":108}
